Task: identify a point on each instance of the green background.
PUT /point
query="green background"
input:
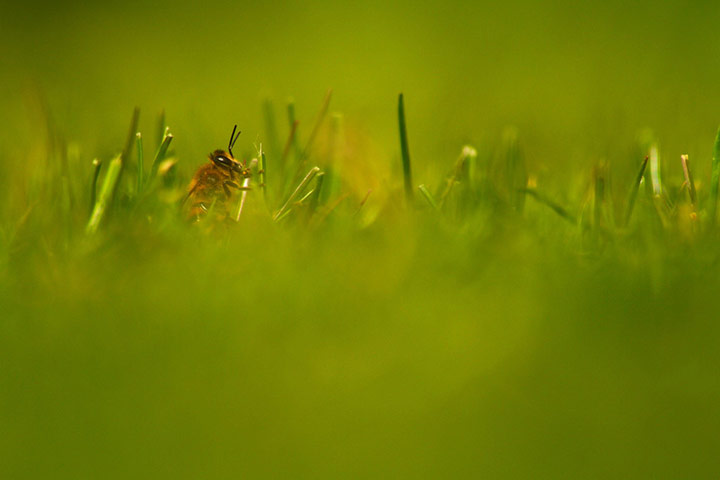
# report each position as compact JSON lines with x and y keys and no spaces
{"x":577,"y":79}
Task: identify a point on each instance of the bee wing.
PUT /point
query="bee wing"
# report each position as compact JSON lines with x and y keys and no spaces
{"x":193,"y":186}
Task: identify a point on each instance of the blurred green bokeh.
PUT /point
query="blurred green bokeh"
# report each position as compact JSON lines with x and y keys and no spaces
{"x":578,"y":80}
{"x":405,"y":350}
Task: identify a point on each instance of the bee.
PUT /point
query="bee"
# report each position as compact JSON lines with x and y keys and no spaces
{"x":213,"y":185}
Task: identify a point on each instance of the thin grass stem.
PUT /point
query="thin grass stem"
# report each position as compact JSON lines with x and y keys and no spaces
{"x":467,"y":154}
{"x":140,"y":162}
{"x":270,"y":126}
{"x":97,"y":164}
{"x":634,"y":191}
{"x":296,"y":193}
{"x":404,"y":150}
{"x":428,"y":196}
{"x":549,"y":203}
{"x":161,"y":152}
{"x":689,"y":179}
{"x":292,"y":122}
{"x":317,"y":191}
{"x":715,"y":179}
{"x":261,"y":169}
{"x":160,"y":128}
{"x":313,"y":134}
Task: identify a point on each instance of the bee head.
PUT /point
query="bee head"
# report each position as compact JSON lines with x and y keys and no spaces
{"x":225,"y":160}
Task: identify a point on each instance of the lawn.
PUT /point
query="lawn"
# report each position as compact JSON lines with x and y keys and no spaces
{"x":508,"y":271}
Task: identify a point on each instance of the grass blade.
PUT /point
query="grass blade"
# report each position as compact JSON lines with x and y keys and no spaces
{"x":161,"y":152}
{"x":140,"y":164}
{"x":290,"y":142}
{"x":467,"y":154}
{"x":689,"y":179}
{"x":296,"y":193}
{"x":404,"y":150}
{"x":313,"y":134}
{"x":271,"y":127}
{"x":599,"y":195}
{"x":160,"y":128}
{"x":318,"y":123}
{"x":655,"y":170}
{"x":110,"y":183}
{"x":112,"y":178}
{"x":549,"y":203}
{"x":315,"y":200}
{"x":715,"y":179}
{"x":428,"y":196}
{"x":515,"y":170}
{"x":262,"y":166}
{"x":130,"y":139}
{"x":97,"y":164}
{"x":634,"y":191}
{"x":293,"y":124}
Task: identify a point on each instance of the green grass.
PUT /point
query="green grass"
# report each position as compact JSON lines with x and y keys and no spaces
{"x":544,"y":306}
{"x":405,"y":151}
{"x":305,"y":339}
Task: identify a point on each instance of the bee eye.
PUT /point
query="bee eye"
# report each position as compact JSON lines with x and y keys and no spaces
{"x":224,"y":161}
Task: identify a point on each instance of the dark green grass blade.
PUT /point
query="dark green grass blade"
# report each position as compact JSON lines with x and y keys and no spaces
{"x":293,"y":124}
{"x":318,"y":123}
{"x":404,"y":150}
{"x":271,"y":131}
{"x":160,"y":128}
{"x":634,"y":191}
{"x":130,"y":140}
{"x":549,"y":203}
{"x":289,"y":143}
{"x":305,"y":153}
{"x":317,"y":192}
{"x":516,"y":170}
{"x":714,"y":180}
{"x":599,"y":203}
{"x":161,"y":152}
{"x":262,"y":172}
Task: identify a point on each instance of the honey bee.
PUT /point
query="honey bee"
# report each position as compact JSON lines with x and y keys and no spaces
{"x":212,"y":187}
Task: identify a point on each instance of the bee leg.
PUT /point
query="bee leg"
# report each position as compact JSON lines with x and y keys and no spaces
{"x":228,"y":184}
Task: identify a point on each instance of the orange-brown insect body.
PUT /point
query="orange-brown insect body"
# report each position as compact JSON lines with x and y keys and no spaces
{"x":213,"y":186}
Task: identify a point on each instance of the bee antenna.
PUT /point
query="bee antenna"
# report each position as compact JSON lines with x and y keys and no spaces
{"x":233,"y":139}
